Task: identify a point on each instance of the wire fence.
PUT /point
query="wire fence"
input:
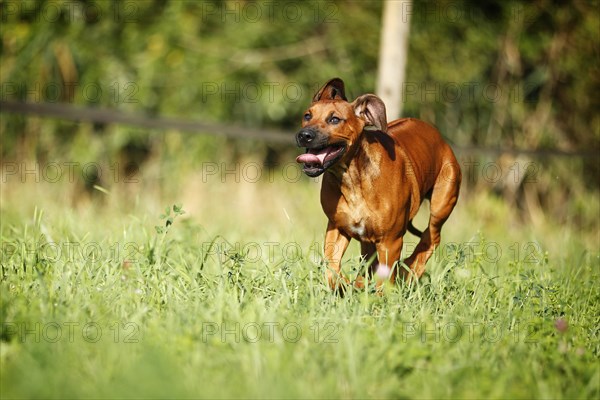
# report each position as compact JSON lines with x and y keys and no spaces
{"x":111,"y":116}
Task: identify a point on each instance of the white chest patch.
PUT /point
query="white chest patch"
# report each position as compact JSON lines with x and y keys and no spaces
{"x":358,"y":228}
{"x":356,"y":210}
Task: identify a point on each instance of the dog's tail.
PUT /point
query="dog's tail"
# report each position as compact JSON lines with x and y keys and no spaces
{"x":413,"y":230}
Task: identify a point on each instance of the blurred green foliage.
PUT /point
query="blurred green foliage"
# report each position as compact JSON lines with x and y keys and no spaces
{"x":506,"y":74}
{"x":497,"y":73}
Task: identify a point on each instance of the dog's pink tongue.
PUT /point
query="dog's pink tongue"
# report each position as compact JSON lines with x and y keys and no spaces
{"x":312,"y":157}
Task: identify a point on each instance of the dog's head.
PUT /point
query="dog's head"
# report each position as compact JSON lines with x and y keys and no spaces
{"x":332,"y":125}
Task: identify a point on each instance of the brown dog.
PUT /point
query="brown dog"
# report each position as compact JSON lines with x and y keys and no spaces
{"x":375,"y":177}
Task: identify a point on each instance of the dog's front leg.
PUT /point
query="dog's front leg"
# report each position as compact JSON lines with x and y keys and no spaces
{"x":336,"y":243}
{"x":368,"y":253}
{"x":388,"y":253}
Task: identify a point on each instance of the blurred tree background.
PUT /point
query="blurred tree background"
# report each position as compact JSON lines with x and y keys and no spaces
{"x":490,"y":75}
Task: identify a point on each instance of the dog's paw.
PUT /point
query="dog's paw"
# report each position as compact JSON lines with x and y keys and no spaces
{"x":336,"y":281}
{"x":359,"y":282}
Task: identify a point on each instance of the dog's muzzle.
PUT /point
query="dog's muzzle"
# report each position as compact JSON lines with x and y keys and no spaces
{"x":319,"y":155}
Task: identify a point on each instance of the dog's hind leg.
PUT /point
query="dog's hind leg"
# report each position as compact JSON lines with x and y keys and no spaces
{"x":443,"y":200}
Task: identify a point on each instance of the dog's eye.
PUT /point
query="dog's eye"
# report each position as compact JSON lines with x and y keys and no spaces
{"x":334,"y":120}
{"x":307,"y":117}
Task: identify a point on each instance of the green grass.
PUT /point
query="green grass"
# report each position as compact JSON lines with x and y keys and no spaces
{"x":229,"y":301}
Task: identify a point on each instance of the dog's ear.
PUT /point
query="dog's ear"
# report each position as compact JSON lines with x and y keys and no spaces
{"x":332,"y":90}
{"x":371,"y":109}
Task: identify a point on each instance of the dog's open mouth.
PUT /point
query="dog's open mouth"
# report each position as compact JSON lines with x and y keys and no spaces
{"x":316,"y":161}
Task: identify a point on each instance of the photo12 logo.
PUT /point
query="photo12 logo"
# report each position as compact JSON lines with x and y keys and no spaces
{"x":250,"y":172}
{"x":70,"y":332}
{"x":251,"y":92}
{"x":67,"y":171}
{"x":92,"y":253}
{"x":472,"y":332}
{"x":461,"y":92}
{"x":250,"y":12}
{"x":271,"y":332}
{"x":70,"y":92}
{"x":69,"y":11}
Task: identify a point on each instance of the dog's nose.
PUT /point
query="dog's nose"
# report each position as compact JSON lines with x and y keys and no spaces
{"x":305,"y":136}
